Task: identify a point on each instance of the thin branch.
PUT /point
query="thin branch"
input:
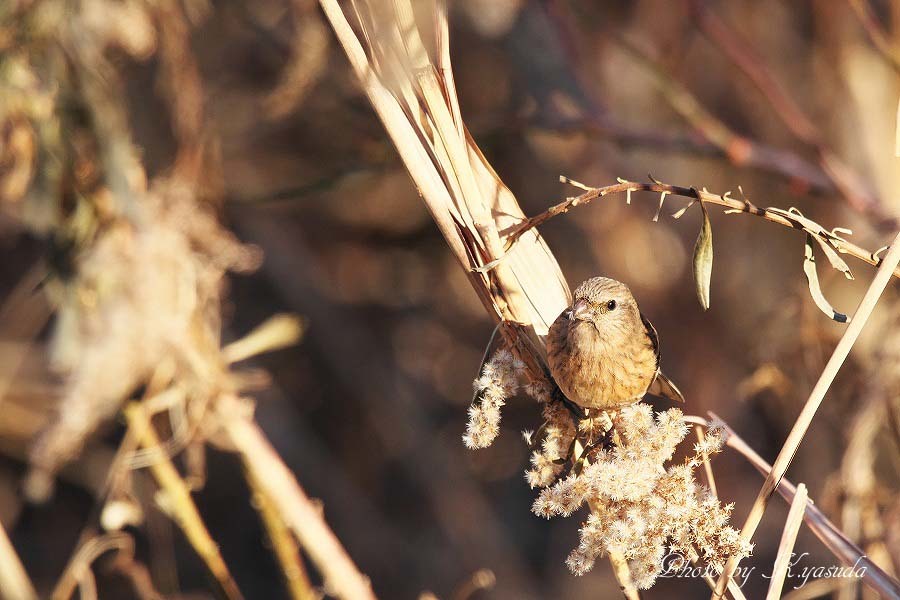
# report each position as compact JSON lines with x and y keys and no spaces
{"x":284,"y":545}
{"x":707,"y":467}
{"x":720,"y":140}
{"x":733,"y":588}
{"x":738,"y":148}
{"x":784,"y":218}
{"x":795,"y":437}
{"x":178,"y":502}
{"x":300,"y":514}
{"x":876,"y":33}
{"x":139,"y":575}
{"x":14,"y":581}
{"x":742,"y":55}
{"x":786,"y":546}
{"x":278,"y":331}
{"x":623,"y":576}
{"x":737,"y":49}
{"x":79,"y":568}
{"x":714,"y":139}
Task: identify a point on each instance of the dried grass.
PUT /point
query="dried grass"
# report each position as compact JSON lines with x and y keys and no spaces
{"x":138,"y":295}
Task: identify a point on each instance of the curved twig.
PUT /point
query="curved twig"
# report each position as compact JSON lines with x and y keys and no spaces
{"x":775,"y":215}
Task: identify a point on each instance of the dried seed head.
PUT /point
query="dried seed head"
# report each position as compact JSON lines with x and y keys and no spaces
{"x":498,"y":381}
{"x":640,"y":509}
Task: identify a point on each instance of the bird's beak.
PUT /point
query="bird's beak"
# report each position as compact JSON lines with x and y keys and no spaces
{"x":579,"y":311}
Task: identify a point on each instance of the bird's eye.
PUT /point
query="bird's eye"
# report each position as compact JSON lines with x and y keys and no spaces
{"x":611,"y":305}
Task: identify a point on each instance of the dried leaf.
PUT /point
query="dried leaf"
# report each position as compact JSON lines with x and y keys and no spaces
{"x":812,"y":277}
{"x":678,"y":214}
{"x":572,"y":182}
{"x":796,"y":217}
{"x":837,"y":232}
{"x":662,"y":199}
{"x":491,"y":265}
{"x":836,"y":261}
{"x":703,"y":259}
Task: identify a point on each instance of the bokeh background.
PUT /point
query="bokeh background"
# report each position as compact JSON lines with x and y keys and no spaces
{"x":369,"y":409}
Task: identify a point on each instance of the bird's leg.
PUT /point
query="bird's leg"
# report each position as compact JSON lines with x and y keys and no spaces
{"x":602,"y":442}
{"x":605,"y":441}
{"x":577,"y":412}
{"x":597,"y":423}
{"x":537,"y":436}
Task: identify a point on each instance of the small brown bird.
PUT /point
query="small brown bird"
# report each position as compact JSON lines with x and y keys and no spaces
{"x":602,"y":352}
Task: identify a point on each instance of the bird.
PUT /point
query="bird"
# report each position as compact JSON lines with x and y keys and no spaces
{"x":603,"y":352}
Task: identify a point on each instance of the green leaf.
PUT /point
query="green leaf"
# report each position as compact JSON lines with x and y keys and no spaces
{"x":812,"y":277}
{"x":703,"y":259}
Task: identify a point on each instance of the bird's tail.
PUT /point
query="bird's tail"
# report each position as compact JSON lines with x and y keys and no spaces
{"x":663,"y":387}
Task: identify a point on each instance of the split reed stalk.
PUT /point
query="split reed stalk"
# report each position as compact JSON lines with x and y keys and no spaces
{"x":416,"y":101}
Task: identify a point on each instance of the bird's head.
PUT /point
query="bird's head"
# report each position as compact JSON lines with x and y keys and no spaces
{"x":607,"y":304}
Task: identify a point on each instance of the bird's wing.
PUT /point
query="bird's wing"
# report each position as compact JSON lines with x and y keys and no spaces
{"x":661,"y":385}
{"x":654,"y":337}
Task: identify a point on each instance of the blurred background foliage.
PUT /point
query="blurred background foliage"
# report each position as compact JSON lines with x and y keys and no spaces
{"x":369,"y":409}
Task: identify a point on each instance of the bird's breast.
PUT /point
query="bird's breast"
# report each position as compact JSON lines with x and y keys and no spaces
{"x":595,"y":372}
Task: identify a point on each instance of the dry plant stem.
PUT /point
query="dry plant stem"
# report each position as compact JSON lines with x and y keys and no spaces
{"x":14,"y":581}
{"x":744,"y":206}
{"x":283,"y":543}
{"x":529,"y":288}
{"x":733,"y":587}
{"x":740,"y":53}
{"x":720,"y":139}
{"x":623,"y":576}
{"x":876,"y":33}
{"x":882,"y":277}
{"x":833,"y":538}
{"x":301,"y":515}
{"x":278,"y":331}
{"x":740,"y":150}
{"x":786,"y":547}
{"x":179,"y":503}
{"x":707,"y":467}
{"x":139,"y":575}
{"x":78,"y":571}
